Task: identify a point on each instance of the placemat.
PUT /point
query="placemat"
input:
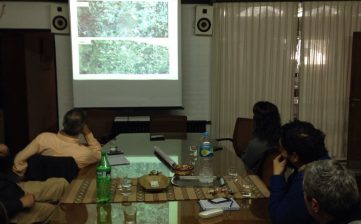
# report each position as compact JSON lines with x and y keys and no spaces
{"x":84,"y":191}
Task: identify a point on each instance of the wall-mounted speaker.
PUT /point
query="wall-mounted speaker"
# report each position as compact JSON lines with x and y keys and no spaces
{"x":59,"y":18}
{"x":204,"y":20}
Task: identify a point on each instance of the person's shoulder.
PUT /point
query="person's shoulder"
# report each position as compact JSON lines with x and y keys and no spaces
{"x":296,"y":181}
{"x":46,"y":135}
{"x":299,"y":176}
{"x":256,"y":142}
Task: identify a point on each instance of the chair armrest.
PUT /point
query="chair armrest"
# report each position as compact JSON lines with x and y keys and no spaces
{"x":224,"y":139}
{"x":219,"y":148}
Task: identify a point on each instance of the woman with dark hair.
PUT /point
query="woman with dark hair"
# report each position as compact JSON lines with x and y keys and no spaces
{"x":266,"y":132}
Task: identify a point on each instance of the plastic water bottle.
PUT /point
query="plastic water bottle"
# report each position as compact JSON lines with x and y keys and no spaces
{"x":206,"y":155}
{"x":103,"y":170}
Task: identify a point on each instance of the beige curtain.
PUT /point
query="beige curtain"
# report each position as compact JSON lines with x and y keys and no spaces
{"x":325,"y":72}
{"x":253,"y":59}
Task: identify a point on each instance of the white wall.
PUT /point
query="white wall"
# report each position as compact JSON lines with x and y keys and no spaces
{"x":64,"y":74}
{"x":196,"y":55}
{"x":196,"y":68}
{"x":25,"y":15}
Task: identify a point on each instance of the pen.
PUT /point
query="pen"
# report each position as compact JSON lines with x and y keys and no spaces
{"x":230,"y":205}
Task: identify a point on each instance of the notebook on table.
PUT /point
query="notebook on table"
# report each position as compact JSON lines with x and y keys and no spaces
{"x":227,"y":205}
{"x":118,"y":159}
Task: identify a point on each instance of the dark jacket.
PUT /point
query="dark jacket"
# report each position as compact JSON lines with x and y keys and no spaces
{"x":352,"y":216}
{"x":10,"y":192}
{"x":286,"y":202}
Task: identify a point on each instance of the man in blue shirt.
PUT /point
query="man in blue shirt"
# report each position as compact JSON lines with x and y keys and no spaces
{"x":300,"y":143}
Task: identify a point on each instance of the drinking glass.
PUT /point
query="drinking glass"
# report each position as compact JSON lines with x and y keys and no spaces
{"x":193,"y":151}
{"x":246,"y":190}
{"x":232,"y":174}
{"x":125,"y":186}
{"x":193,"y":154}
{"x":113,"y":147}
{"x":130,"y":214}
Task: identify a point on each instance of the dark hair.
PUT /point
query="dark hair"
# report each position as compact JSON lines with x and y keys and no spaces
{"x":267,"y":122}
{"x":304,"y":139}
{"x":74,"y":121}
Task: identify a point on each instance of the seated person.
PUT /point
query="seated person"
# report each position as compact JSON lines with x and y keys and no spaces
{"x":32,"y":201}
{"x":64,"y":143}
{"x":267,"y":125}
{"x":5,"y":160}
{"x":330,"y":193}
{"x":300,"y":143}
{"x":4,"y":151}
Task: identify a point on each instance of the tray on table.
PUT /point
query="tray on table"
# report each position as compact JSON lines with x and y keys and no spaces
{"x":193,"y":181}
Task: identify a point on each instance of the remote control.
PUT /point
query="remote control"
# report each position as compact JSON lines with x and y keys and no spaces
{"x":211,"y":213}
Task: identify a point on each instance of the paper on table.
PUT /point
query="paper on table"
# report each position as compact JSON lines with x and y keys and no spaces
{"x":163,"y":157}
{"x":118,"y":159}
{"x":228,"y":205}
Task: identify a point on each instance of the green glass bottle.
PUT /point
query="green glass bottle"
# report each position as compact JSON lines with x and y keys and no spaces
{"x":103,"y":179}
{"x":104,"y":213}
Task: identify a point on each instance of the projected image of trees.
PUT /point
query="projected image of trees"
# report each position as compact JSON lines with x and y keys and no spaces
{"x":123,"y":37}
{"x":123,"y":57}
{"x":123,"y":19}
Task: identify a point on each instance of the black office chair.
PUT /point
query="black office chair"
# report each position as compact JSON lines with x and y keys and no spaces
{"x":3,"y":214}
{"x":100,"y":122}
{"x":43,"y":167}
{"x":242,"y":134}
{"x":265,"y":169}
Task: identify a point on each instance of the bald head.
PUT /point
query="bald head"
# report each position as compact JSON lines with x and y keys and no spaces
{"x":74,"y":121}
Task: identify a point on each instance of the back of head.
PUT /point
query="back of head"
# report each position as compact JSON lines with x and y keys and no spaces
{"x":333,"y":186}
{"x":74,"y":121}
{"x":304,"y":139}
{"x":267,"y":121}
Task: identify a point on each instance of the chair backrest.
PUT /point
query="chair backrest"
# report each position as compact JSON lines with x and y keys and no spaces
{"x":168,"y":123}
{"x":100,"y":122}
{"x":242,"y":134}
{"x":43,"y":167}
{"x":265,"y":169}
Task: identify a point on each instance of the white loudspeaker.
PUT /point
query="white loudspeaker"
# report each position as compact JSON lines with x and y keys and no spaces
{"x":204,"y":20}
{"x":59,"y":18}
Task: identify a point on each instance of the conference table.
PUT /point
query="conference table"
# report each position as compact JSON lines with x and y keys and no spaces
{"x":138,"y":149}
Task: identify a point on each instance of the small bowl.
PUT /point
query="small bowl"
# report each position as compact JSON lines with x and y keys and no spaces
{"x":154,"y":182}
{"x":183,"y":169}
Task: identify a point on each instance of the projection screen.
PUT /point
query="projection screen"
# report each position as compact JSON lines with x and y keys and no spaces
{"x":125,"y":53}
